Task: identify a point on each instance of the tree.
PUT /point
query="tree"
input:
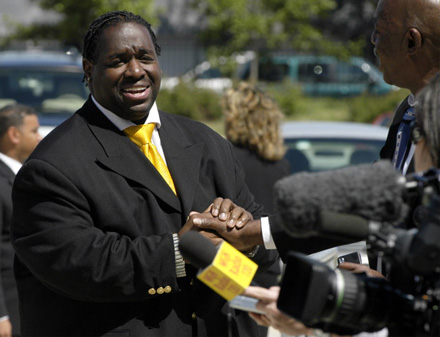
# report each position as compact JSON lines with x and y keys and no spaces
{"x":266,"y":25}
{"x":76,"y":17}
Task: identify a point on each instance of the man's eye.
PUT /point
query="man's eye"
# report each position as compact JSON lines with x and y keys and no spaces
{"x":146,"y":58}
{"x":115,"y":62}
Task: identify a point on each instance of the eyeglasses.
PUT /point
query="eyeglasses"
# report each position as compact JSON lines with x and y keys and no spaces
{"x":416,"y":132}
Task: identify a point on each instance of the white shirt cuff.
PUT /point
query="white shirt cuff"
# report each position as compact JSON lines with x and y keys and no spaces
{"x":266,"y":233}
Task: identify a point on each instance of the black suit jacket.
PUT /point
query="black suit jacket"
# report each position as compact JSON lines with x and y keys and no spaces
{"x":261,"y":175}
{"x":389,"y":147}
{"x":8,"y":288}
{"x":92,"y":230}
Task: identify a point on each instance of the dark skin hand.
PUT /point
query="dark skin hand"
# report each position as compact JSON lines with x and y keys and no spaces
{"x":230,"y":213}
{"x":244,"y":238}
{"x":224,"y":213}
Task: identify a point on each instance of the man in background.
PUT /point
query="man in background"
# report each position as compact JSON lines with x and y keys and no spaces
{"x":18,"y":138}
{"x":407,"y":44}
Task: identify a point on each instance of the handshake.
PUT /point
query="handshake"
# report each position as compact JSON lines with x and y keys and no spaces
{"x":225,"y":221}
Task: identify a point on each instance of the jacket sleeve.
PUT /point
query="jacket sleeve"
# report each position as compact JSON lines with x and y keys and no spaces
{"x":57,"y":234}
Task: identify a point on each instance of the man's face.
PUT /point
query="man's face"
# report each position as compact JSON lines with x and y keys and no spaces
{"x":389,"y":40}
{"x":126,"y":76}
{"x":28,"y":137}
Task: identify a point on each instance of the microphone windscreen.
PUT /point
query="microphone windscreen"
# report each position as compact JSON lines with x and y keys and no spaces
{"x":373,"y":191}
{"x":197,"y":249}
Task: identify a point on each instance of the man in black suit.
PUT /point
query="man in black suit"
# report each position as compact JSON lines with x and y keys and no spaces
{"x":96,"y":226}
{"x":18,"y":138}
{"x":407,"y":45}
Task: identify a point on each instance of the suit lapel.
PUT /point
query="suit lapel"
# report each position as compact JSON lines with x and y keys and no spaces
{"x":390,"y":143}
{"x":124,"y":157}
{"x":183,"y":159}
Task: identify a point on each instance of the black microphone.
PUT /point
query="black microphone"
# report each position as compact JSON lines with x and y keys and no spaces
{"x":374,"y":192}
{"x":201,"y":253}
{"x":197,"y":249}
{"x":336,"y":225}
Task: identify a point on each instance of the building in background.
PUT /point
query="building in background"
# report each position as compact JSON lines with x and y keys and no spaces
{"x":177,"y":33}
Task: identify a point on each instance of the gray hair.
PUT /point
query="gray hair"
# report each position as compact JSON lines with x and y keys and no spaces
{"x":428,"y":117}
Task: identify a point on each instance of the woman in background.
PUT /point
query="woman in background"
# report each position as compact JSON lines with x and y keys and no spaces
{"x":252,"y":122}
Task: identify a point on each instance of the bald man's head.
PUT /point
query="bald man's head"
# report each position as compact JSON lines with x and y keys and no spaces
{"x":425,"y":16}
{"x":407,"y":41}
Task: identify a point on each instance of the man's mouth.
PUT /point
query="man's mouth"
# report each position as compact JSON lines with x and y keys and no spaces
{"x":135,"y":90}
{"x":137,"y":93}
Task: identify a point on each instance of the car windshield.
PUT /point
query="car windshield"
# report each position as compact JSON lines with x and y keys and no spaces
{"x":319,"y":154}
{"x":53,"y":93}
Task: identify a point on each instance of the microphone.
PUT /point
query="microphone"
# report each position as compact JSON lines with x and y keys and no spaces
{"x":374,"y":192}
{"x":223,"y":268}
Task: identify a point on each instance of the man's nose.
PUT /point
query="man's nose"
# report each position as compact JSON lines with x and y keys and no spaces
{"x":134,"y":68}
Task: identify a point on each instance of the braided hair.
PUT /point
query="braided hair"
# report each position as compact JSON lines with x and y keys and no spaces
{"x":111,"y":19}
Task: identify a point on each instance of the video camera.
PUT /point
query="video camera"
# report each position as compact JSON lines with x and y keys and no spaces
{"x":407,"y":302}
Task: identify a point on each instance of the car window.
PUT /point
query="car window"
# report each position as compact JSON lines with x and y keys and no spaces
{"x":272,"y":72}
{"x":327,"y":154}
{"x":46,"y":90}
{"x":349,"y":73}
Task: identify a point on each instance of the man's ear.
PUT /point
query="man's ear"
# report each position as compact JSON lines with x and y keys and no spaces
{"x":14,"y":134}
{"x":414,"y":40}
{"x":87,"y":67}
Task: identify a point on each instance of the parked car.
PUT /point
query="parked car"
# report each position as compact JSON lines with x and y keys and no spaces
{"x":325,"y":75}
{"x":325,"y":145}
{"x":48,"y":80}
{"x":316,"y":75}
{"x":205,"y":75}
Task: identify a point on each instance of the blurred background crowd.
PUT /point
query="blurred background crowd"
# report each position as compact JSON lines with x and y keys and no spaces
{"x":314,"y":58}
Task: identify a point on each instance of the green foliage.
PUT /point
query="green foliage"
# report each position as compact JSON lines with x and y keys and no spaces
{"x":190,"y":101}
{"x":204,"y":105}
{"x":366,"y":107}
{"x":239,"y":25}
{"x":77,"y":15}
{"x":288,"y":97}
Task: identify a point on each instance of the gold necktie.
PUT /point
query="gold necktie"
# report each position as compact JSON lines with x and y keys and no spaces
{"x":141,"y":136}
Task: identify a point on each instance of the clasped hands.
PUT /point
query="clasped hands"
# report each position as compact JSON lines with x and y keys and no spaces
{"x":225,"y":221}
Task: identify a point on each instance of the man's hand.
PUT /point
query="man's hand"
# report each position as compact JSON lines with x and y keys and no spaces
{"x":273,"y":317}
{"x":5,"y":328}
{"x":224,"y":220}
{"x":230,"y":213}
{"x":357,"y":268}
{"x":244,"y":238}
